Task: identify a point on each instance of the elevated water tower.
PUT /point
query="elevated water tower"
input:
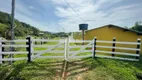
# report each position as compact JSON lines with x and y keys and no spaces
{"x":83,"y":27}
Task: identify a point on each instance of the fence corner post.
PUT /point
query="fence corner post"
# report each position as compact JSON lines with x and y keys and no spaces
{"x":94,"y":47}
{"x":113,"y":45}
{"x":29,"y":48}
{"x":138,"y":47}
{"x":0,"y":50}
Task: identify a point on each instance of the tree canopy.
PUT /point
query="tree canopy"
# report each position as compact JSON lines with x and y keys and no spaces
{"x":21,"y":28}
{"x":137,"y":26}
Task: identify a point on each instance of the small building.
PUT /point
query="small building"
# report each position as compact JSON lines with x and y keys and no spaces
{"x":108,"y":32}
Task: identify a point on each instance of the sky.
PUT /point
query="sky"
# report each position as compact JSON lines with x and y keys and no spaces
{"x":66,"y":15}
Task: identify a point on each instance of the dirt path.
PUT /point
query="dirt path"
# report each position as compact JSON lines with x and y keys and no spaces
{"x":72,"y":69}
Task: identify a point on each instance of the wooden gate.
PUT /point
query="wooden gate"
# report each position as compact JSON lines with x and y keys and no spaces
{"x":53,"y":48}
{"x":80,"y":49}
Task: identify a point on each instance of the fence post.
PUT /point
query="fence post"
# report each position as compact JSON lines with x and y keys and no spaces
{"x":3,"y":49}
{"x":138,"y":47}
{"x":0,"y":51}
{"x":94,"y":47}
{"x":32,"y":48}
{"x":29,"y":48}
{"x":113,"y":45}
{"x":65,"y":54}
{"x":35,"y":41}
{"x":41,"y":41}
{"x":66,"y":48}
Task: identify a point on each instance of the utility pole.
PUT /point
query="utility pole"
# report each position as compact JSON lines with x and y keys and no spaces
{"x":12,"y":19}
{"x":12,"y":27}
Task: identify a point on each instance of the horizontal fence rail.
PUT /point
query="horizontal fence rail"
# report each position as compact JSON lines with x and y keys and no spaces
{"x":80,"y":46}
{"x":14,"y":52}
{"x":72,"y":52}
{"x":14,"y":40}
{"x":13,"y":59}
{"x":51,"y":57}
{"x":117,"y":58}
{"x":54,"y":51}
{"x":14,"y":45}
{"x":118,"y":42}
{"x":46,"y":46}
{"x":123,"y":48}
{"x":45,"y":40}
{"x":79,"y":41}
{"x":121,"y":53}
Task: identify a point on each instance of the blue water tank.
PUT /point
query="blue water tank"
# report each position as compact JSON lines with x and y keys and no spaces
{"x":83,"y":26}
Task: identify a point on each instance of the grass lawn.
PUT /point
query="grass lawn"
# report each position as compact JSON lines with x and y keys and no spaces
{"x":83,"y":69}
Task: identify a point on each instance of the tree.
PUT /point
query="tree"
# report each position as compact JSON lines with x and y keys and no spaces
{"x":3,"y":29}
{"x":137,"y":26}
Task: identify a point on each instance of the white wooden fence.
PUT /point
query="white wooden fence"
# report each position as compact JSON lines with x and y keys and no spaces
{"x":69,"y":50}
{"x":12,"y":52}
{"x":113,"y":47}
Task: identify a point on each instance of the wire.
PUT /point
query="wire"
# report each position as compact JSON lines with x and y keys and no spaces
{"x":73,"y":10}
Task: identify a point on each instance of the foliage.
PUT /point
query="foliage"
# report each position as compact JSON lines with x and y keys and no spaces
{"x":137,"y":26}
{"x":59,"y":34}
{"x":3,"y":29}
{"x":20,"y":29}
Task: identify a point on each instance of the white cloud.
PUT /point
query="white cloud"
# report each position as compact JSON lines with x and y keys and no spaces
{"x":89,"y":10}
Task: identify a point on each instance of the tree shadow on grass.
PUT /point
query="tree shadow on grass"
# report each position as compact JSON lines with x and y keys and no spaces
{"x":26,"y":71}
{"x":55,"y":70}
{"x":4,"y":71}
{"x":46,"y":70}
{"x":13,"y":75}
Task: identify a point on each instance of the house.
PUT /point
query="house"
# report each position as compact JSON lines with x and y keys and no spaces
{"x":108,"y":32}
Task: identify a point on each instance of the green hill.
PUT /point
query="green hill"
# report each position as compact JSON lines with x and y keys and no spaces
{"x":21,"y":28}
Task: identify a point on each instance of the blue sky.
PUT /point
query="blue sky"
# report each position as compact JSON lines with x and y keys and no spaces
{"x":56,"y":15}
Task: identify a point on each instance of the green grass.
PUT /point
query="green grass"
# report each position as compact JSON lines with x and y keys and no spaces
{"x":108,"y":69}
{"x":81,"y":69}
{"x":85,"y":69}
